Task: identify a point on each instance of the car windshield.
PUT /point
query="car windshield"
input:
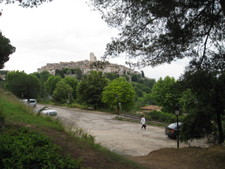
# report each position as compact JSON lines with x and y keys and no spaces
{"x":174,"y":125}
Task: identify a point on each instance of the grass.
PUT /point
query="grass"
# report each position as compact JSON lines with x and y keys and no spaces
{"x":16,"y":111}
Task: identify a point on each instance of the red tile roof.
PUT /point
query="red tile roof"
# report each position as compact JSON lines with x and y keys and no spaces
{"x":151,"y":107}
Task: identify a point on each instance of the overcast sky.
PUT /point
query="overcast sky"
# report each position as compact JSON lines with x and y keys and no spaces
{"x":63,"y":31}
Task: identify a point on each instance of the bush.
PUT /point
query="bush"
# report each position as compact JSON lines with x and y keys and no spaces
{"x":163,"y":117}
{"x":23,"y":149}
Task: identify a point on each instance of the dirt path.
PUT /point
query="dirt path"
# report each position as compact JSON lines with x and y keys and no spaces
{"x":120,"y":136}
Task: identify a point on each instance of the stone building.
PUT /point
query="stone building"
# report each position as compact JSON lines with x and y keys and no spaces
{"x":87,"y":66}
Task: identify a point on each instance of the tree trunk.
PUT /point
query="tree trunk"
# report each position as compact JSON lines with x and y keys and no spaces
{"x":220,"y":128}
{"x":219,"y":107}
{"x":222,"y":3}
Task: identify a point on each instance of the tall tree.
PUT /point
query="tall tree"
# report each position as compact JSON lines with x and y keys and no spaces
{"x":22,"y":85}
{"x":164,"y":94}
{"x":208,"y":84}
{"x":160,"y":31}
{"x":73,"y":82}
{"x":44,"y":75}
{"x":51,"y":83}
{"x":62,"y":91}
{"x":119,"y":93}
{"x":90,"y":89}
{"x":6,"y":49}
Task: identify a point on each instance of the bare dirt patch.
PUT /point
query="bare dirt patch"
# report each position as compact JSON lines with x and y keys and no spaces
{"x":185,"y":158}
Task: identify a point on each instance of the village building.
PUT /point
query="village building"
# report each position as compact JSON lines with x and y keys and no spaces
{"x":87,"y":66}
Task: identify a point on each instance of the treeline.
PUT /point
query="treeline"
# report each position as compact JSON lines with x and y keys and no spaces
{"x":95,"y":89}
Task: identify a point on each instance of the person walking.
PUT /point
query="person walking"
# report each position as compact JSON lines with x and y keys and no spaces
{"x":143,"y":125}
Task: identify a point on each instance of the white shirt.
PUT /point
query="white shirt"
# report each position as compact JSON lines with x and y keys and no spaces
{"x":142,"y":120}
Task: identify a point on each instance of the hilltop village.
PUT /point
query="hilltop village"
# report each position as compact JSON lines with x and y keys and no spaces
{"x":87,"y":66}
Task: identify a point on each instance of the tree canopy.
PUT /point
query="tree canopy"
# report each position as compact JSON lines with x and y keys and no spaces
{"x":90,"y":88}
{"x":161,"y":31}
{"x":51,"y":83}
{"x":119,"y":91}
{"x":208,"y":105}
{"x":26,"y":3}
{"x":73,"y":82}
{"x":6,"y":49}
{"x":22,"y":85}
{"x":62,"y":91}
{"x":164,"y":94}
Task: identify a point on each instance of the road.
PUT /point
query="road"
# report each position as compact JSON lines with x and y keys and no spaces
{"x":119,"y":136}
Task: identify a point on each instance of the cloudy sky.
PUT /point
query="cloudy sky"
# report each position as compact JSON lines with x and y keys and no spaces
{"x":63,"y":31}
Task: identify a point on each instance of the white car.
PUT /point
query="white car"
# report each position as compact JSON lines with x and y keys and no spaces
{"x":49,"y":112}
{"x":30,"y":102}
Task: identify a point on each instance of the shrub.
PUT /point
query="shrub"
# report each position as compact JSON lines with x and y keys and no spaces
{"x":163,"y":117}
{"x":23,"y":149}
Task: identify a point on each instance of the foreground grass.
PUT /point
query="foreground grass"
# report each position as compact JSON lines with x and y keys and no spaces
{"x":78,"y":144}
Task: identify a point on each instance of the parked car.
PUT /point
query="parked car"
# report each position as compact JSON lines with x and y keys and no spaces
{"x":49,"y":112}
{"x":30,"y":102}
{"x":171,"y":130}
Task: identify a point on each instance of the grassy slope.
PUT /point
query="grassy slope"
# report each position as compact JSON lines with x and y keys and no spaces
{"x":79,"y":147}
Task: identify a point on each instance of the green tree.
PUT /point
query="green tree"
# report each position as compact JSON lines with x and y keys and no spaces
{"x":22,"y":85}
{"x":208,"y":105}
{"x":51,"y":83}
{"x":62,"y":92}
{"x":161,"y":31}
{"x":164,"y":94}
{"x":59,"y":73}
{"x":112,"y":75}
{"x":6,"y":49}
{"x":44,"y":75}
{"x":135,"y":77}
{"x":73,"y":82}
{"x":90,"y":89}
{"x":149,"y":82}
{"x":143,"y":101}
{"x":78,"y":72}
{"x":187,"y":100}
{"x":119,"y":91}
{"x":142,"y":74}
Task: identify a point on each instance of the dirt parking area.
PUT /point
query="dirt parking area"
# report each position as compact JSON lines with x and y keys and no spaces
{"x":119,"y":136}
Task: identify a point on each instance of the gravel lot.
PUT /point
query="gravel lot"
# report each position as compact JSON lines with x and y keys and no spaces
{"x":120,"y":136}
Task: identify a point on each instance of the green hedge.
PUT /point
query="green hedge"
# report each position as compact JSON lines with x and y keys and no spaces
{"x":163,"y":117}
{"x":24,"y":149}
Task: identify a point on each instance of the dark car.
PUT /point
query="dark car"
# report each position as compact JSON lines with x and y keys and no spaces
{"x":171,"y":130}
